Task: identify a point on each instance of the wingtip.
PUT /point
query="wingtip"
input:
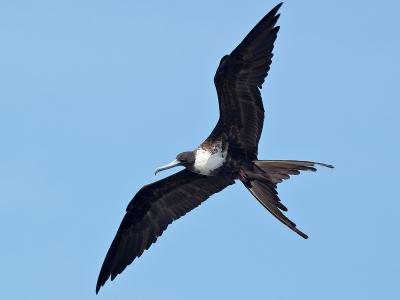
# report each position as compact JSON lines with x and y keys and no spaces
{"x":278,"y":6}
{"x":274,"y":10}
{"x":98,"y":286}
{"x":100,"y":283}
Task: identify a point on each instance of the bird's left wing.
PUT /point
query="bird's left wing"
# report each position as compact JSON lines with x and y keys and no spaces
{"x":149,"y":213}
{"x":238,"y":81}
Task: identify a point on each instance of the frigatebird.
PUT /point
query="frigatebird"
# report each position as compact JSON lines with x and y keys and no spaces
{"x":228,"y":154}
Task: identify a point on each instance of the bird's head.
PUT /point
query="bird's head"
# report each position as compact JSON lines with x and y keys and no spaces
{"x":185,"y":159}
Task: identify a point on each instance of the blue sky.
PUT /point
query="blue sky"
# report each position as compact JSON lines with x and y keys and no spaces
{"x":96,"y":94}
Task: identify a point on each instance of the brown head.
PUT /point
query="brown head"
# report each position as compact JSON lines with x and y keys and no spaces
{"x":185,"y":159}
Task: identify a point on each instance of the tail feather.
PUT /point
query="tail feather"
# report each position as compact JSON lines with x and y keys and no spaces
{"x":268,"y":197}
{"x":279,"y":170}
{"x":262,"y":181}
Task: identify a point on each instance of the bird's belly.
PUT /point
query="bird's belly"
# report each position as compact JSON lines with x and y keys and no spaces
{"x":207,"y":161}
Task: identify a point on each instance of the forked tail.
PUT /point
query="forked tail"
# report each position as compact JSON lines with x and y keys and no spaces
{"x":262,"y":181}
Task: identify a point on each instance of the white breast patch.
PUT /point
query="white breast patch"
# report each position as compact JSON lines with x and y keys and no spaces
{"x":207,"y":161}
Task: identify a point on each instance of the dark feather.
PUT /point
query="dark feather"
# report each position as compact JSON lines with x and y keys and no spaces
{"x":263,"y":180}
{"x":238,"y":79}
{"x":149,"y":213}
{"x":278,"y":170}
{"x":268,"y":197}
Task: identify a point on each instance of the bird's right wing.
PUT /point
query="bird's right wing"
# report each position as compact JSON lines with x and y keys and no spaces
{"x":149,"y":213}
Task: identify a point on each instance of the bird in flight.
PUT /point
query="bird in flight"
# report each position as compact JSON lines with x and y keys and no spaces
{"x":228,"y":154}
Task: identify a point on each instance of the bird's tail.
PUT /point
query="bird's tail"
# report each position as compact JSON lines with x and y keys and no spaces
{"x":262,"y":181}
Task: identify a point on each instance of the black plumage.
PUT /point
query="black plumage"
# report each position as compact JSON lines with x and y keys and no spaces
{"x":151,"y":210}
{"x":230,"y":153}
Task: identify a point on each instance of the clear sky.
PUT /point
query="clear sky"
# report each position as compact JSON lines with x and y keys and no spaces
{"x":94,"y":95}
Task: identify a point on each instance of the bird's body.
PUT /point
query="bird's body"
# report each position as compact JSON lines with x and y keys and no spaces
{"x":229,"y":153}
{"x":210,"y":159}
